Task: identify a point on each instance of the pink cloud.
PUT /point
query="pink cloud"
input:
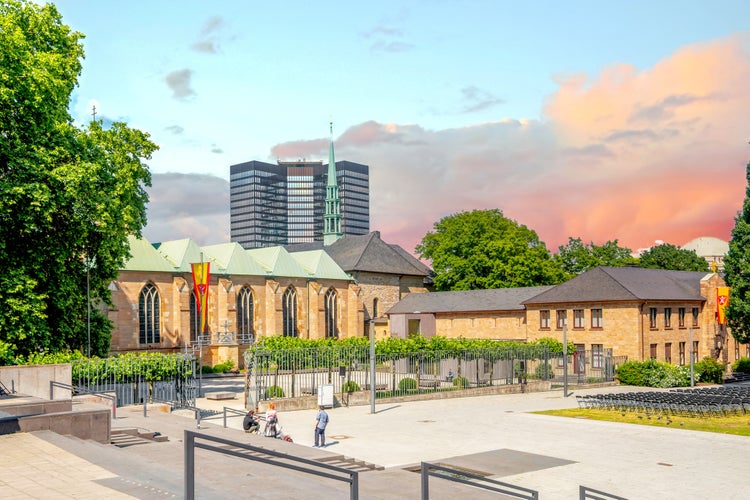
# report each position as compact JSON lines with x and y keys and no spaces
{"x":634,"y":155}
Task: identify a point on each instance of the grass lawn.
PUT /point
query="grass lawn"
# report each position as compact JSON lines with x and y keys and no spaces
{"x":733,"y":424}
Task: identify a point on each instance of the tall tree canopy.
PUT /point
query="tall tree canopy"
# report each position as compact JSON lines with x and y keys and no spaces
{"x":737,"y":269}
{"x":69,"y":197}
{"x":576,"y":256}
{"x":667,"y":256}
{"x":484,"y":249}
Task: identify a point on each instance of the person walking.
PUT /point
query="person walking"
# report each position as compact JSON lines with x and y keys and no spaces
{"x":321,"y":421}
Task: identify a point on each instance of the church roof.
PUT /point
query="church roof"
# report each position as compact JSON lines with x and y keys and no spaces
{"x":368,"y":253}
{"x":320,"y":264}
{"x":501,"y":299}
{"x":233,"y":259}
{"x":144,"y":257}
{"x":180,"y":253}
{"x":608,"y":284}
{"x":278,"y":262}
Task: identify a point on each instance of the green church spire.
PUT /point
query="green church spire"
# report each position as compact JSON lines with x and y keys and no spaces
{"x":332,"y":218}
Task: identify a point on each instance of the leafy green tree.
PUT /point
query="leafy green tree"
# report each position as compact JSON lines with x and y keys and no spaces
{"x":483,"y":249}
{"x":668,"y":256}
{"x":737,"y":269}
{"x":576,"y":256}
{"x":68,"y":197}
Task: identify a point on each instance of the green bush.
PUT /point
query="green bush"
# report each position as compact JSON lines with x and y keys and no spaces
{"x":544,"y":371}
{"x":742,"y":365}
{"x":274,"y":392}
{"x":407,"y":384}
{"x":652,"y":373}
{"x":351,"y":386}
{"x":225,"y":367}
{"x":460,"y":382}
{"x":206,"y":369}
{"x":710,"y":370}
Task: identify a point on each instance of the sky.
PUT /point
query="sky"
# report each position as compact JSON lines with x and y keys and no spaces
{"x":584,"y":119}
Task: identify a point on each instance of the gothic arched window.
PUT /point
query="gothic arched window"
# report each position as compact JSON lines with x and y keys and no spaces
{"x":245,"y":313}
{"x":289,"y":310}
{"x":149,"y":315}
{"x":331,"y":309}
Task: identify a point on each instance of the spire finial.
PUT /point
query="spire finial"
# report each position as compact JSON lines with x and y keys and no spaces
{"x":93,"y":112}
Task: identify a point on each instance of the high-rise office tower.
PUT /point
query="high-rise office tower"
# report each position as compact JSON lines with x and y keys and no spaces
{"x":296,"y":202}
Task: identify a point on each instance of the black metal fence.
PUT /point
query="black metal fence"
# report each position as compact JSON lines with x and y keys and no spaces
{"x":299,"y":372}
{"x":139,"y":379}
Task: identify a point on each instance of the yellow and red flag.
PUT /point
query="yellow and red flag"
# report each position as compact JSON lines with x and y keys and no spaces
{"x":722,"y":301}
{"x":201,"y":278}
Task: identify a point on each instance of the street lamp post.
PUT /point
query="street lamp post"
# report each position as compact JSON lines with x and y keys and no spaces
{"x":88,"y":307}
{"x":372,"y":365}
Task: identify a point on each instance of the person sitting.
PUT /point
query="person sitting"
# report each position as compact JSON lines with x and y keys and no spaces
{"x":272,"y":418}
{"x":250,"y":423}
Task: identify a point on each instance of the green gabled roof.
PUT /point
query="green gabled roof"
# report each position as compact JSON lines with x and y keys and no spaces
{"x":234,"y":259}
{"x":181,"y":253}
{"x":279,"y":262}
{"x":144,"y":257}
{"x":320,"y":264}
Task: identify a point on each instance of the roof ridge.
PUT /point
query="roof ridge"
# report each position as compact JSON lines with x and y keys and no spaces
{"x":605,"y":270}
{"x":370,"y":235}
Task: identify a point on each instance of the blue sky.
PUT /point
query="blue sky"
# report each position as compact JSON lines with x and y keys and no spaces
{"x":219,"y":83}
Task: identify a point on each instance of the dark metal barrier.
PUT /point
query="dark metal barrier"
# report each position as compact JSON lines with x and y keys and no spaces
{"x":306,"y":466}
{"x":78,"y":390}
{"x":586,"y":493}
{"x":464,"y":477}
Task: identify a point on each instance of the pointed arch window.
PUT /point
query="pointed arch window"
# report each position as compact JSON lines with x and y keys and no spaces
{"x":195,"y":319}
{"x":289,"y":312}
{"x":375,"y":308}
{"x":149,"y":315}
{"x":331,"y":311}
{"x":245,"y":313}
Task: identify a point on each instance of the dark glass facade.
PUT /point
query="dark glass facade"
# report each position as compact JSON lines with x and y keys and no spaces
{"x":285,"y":203}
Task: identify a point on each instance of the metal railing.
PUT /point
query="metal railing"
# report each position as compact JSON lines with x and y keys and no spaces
{"x":476,"y":480}
{"x":586,"y":493}
{"x":266,"y":456}
{"x":134,"y":380}
{"x":77,"y":390}
{"x":298,"y":372}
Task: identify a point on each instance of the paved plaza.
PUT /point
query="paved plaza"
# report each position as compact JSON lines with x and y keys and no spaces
{"x":494,"y":435}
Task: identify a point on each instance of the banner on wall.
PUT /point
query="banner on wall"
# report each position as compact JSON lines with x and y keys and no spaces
{"x":201,"y":277}
{"x":722,"y":301}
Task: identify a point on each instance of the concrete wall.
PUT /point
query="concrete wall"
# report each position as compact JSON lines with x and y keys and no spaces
{"x":85,"y":424}
{"x":33,"y":380}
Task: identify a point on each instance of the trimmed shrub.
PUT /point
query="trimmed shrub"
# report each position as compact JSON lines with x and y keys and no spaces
{"x":274,"y":392}
{"x":224,"y":367}
{"x":206,"y":369}
{"x":544,"y":371}
{"x":742,"y":365}
{"x":460,"y":382}
{"x":710,"y":370}
{"x":407,"y":384}
{"x":351,"y":386}
{"x":652,"y":373}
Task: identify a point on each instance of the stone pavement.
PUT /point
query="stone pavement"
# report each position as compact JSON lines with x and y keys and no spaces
{"x":493,"y":435}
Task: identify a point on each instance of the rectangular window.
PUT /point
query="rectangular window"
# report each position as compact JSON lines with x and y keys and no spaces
{"x":561,"y":317}
{"x":652,"y":317}
{"x":597,"y":355}
{"x":668,"y":352}
{"x":695,"y":351}
{"x":578,"y":319}
{"x":681,"y":317}
{"x":667,"y":317}
{"x":695,"y":316}
{"x":596,"y":318}
{"x":682,"y":353}
{"x":736,"y":350}
{"x":544,"y":319}
{"x":652,"y":351}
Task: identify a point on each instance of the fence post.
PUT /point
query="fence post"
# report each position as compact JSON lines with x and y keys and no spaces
{"x":425,"y":476}
{"x":189,"y":465}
